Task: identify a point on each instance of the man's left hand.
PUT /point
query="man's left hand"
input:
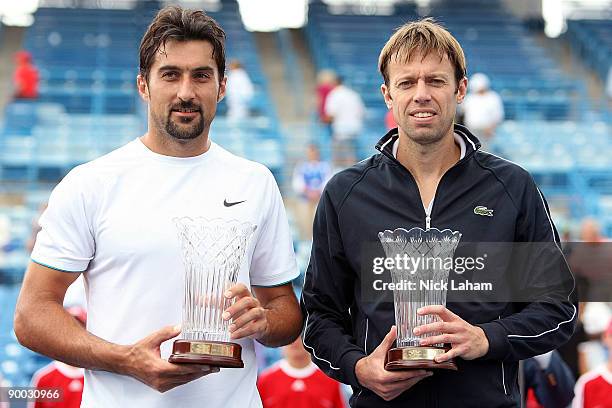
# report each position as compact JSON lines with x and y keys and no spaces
{"x":467,"y":341}
{"x":249,"y":318}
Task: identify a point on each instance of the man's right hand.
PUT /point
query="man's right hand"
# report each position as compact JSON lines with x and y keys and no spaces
{"x":371,"y":373}
{"x":144,"y":363}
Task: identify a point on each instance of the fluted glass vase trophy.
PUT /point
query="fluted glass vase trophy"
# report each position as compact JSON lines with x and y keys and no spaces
{"x":212,"y":254}
{"x":424,"y":279}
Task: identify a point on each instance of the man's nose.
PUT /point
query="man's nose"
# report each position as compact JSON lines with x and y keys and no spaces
{"x":186,"y":91}
{"x":422,"y":94}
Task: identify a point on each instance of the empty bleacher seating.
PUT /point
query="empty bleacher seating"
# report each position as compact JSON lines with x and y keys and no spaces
{"x":592,"y":41}
{"x":88,"y":105}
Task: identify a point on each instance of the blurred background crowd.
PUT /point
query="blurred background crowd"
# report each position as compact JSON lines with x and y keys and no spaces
{"x":304,"y":100}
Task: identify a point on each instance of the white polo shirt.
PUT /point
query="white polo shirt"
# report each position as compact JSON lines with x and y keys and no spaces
{"x":112,"y":219}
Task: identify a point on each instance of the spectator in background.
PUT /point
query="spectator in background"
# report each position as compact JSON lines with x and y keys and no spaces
{"x":62,"y":376}
{"x":345,"y":110}
{"x":326,"y":81}
{"x":309,"y":178}
{"x":590,"y":231}
{"x":594,"y":389}
{"x":297,"y":383}
{"x":483,"y":109}
{"x":592,"y":352}
{"x":590,"y":260}
{"x":548,"y":380}
{"x":239,"y":92}
{"x":26,"y":77}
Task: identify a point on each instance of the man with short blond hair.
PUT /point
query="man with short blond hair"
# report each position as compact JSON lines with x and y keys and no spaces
{"x":423,"y":37}
{"x":429,"y":174}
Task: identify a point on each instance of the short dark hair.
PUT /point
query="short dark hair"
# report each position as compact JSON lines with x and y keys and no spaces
{"x":178,"y":24}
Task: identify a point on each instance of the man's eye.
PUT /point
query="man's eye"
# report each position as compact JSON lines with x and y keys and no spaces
{"x":202,"y":75}
{"x":405,"y":84}
{"x":437,"y":82}
{"x":169,"y":75}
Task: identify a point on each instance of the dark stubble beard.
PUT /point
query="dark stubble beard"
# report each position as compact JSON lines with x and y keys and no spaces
{"x":191,"y":131}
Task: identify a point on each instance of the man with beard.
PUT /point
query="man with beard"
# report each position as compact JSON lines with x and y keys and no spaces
{"x":111,"y":220}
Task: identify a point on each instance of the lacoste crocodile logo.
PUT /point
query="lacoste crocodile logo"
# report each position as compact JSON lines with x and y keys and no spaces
{"x":482,"y":210}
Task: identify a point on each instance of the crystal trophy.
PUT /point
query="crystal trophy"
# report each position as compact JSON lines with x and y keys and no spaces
{"x":424,"y":280}
{"x":213,"y":250}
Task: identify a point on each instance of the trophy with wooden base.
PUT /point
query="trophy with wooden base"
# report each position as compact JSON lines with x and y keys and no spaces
{"x":212,"y":254}
{"x":423,"y":278}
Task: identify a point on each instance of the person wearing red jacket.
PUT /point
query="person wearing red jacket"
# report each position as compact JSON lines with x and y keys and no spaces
{"x":296,"y":382}
{"x":26,"y":77}
{"x":594,"y":388}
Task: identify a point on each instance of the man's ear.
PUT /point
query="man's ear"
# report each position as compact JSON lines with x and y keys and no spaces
{"x":384,"y":89}
{"x":221,"y":93}
{"x":462,"y":89}
{"x":143,"y":88}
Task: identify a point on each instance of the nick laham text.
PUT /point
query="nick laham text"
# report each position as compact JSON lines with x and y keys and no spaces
{"x":425,"y":285}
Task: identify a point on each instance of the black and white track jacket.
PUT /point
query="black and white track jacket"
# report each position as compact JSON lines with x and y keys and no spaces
{"x":380,"y":194}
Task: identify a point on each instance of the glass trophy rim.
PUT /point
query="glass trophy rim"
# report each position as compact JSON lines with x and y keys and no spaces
{"x":220,"y":219}
{"x":408,"y":231}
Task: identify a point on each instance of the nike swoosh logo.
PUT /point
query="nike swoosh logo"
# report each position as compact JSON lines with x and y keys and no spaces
{"x":225,"y":203}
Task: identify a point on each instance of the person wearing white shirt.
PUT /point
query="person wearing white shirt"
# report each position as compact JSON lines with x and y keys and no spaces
{"x":239,"y":92}
{"x":483,"y":108}
{"x":110,"y":220}
{"x":345,"y":110}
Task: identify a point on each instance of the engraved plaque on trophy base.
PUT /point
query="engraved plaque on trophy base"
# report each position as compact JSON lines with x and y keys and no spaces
{"x":213,"y":353}
{"x":407,"y":358}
